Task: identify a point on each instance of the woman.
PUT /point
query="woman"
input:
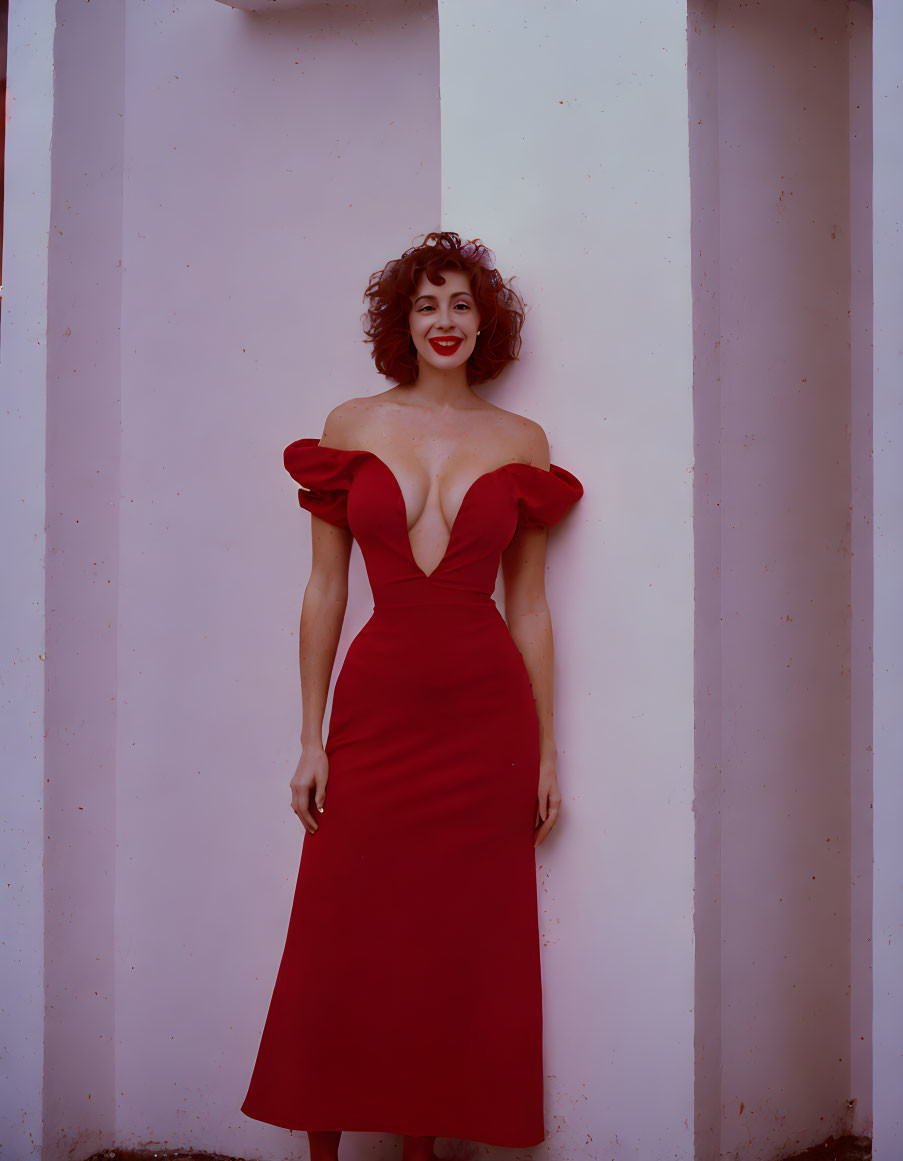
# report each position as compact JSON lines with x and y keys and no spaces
{"x":408,"y":998}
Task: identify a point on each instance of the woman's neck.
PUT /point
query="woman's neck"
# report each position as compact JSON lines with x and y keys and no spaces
{"x":437,"y":388}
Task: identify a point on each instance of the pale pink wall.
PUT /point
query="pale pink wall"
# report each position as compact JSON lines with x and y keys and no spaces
{"x":777,"y":395}
{"x":172,"y":695}
{"x":238,"y":177}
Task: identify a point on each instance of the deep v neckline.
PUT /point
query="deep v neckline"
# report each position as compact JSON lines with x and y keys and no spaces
{"x":406,"y":532}
{"x":334,"y":475}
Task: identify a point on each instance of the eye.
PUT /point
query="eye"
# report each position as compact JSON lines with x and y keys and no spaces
{"x":465,"y":305}
{"x":426,"y":306}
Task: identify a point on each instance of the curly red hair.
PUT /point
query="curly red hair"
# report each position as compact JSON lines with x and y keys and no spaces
{"x":391,"y":294}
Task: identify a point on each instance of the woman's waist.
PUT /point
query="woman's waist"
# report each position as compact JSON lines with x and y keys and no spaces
{"x":404,"y":621}
{"x":422,"y":593}
{"x":452,"y":626}
{"x":433,"y":651}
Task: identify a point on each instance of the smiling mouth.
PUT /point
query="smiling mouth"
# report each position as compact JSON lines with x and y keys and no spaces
{"x":445,"y":346}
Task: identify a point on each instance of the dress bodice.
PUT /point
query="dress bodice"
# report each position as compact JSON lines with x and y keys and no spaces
{"x":357,"y":490}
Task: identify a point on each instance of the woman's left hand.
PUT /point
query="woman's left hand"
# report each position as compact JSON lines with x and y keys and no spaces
{"x":548,"y":801}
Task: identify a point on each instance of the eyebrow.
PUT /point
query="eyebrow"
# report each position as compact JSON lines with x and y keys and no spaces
{"x":432,"y":297}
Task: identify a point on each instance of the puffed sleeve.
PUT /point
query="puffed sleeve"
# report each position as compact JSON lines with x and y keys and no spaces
{"x":323,"y":475}
{"x":546,"y":496}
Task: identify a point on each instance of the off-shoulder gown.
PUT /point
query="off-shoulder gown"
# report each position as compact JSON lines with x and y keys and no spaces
{"x":408,"y":998}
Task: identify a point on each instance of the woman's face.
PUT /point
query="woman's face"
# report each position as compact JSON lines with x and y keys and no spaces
{"x":444,"y":320}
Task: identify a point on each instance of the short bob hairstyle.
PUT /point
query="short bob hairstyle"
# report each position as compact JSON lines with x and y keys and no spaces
{"x":391,"y":296}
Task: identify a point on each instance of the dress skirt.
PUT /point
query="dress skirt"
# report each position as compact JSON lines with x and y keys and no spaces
{"x":408,"y":999}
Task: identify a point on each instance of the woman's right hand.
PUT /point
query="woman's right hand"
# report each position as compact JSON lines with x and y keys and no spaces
{"x":309,"y":781}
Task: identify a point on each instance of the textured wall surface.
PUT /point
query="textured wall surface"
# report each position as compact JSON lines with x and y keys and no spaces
{"x":783,"y":396}
{"x":185,"y":277}
{"x":223,"y":185}
{"x":23,"y":373}
{"x":84,"y":388}
{"x":888,"y":419}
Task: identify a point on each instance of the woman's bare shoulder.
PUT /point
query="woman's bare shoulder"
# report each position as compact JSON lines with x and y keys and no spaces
{"x":347,"y":424}
{"x":525,"y":439}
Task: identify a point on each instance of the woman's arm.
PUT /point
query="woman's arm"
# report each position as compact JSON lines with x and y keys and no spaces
{"x":530,"y":625}
{"x":322,"y":614}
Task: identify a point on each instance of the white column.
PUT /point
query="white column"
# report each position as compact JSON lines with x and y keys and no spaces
{"x":23,"y":381}
{"x":84,"y":387}
{"x":564,"y":147}
{"x":888,"y":661}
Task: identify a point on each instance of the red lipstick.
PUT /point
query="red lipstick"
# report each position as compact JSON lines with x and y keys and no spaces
{"x":446,"y":346}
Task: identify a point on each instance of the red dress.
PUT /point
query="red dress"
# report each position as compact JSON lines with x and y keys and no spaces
{"x":408,"y":999}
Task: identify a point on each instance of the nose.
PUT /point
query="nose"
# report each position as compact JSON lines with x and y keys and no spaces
{"x":445,"y":322}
